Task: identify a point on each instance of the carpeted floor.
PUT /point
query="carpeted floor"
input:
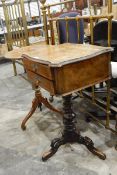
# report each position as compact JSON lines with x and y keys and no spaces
{"x":21,"y":151}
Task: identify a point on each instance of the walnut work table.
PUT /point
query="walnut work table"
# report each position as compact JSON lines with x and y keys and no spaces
{"x":62,"y":70}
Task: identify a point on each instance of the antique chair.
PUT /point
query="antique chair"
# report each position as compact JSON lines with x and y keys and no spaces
{"x":17,"y":33}
{"x":17,"y":30}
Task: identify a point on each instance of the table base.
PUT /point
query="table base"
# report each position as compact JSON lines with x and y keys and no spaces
{"x":70,"y":133}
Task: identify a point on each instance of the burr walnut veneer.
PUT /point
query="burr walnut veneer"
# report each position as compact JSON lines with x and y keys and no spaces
{"x":62,"y":69}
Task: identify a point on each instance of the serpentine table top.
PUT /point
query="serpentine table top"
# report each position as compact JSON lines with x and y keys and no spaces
{"x":58,"y":55}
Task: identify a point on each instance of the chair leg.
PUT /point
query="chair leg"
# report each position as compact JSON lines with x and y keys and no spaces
{"x":14,"y":68}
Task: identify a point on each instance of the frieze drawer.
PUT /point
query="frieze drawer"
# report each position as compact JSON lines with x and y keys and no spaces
{"x":40,"y":69}
{"x":44,"y":83}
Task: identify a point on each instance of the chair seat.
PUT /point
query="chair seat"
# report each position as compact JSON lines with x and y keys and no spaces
{"x":114,"y":69}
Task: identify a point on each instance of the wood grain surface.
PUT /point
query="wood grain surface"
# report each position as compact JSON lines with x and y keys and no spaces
{"x":58,"y":55}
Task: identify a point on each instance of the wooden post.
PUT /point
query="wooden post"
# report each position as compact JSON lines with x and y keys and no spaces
{"x":45,"y":20}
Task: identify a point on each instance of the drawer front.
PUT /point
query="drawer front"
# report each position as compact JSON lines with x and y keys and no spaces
{"x":38,"y":68}
{"x":44,"y":83}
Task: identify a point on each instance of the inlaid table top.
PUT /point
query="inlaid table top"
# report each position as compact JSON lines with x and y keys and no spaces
{"x":58,"y":55}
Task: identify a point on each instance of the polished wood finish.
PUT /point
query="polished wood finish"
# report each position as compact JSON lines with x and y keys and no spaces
{"x":61,"y":75}
{"x":44,"y":82}
{"x":40,"y":69}
{"x":58,"y":55}
{"x":53,"y":65}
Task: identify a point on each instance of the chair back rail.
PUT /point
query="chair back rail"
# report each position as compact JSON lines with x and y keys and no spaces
{"x":91,"y":19}
{"x":54,"y":22}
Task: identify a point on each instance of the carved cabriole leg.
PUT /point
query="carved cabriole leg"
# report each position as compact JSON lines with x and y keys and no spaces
{"x":37,"y":102}
{"x":70,"y":133}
